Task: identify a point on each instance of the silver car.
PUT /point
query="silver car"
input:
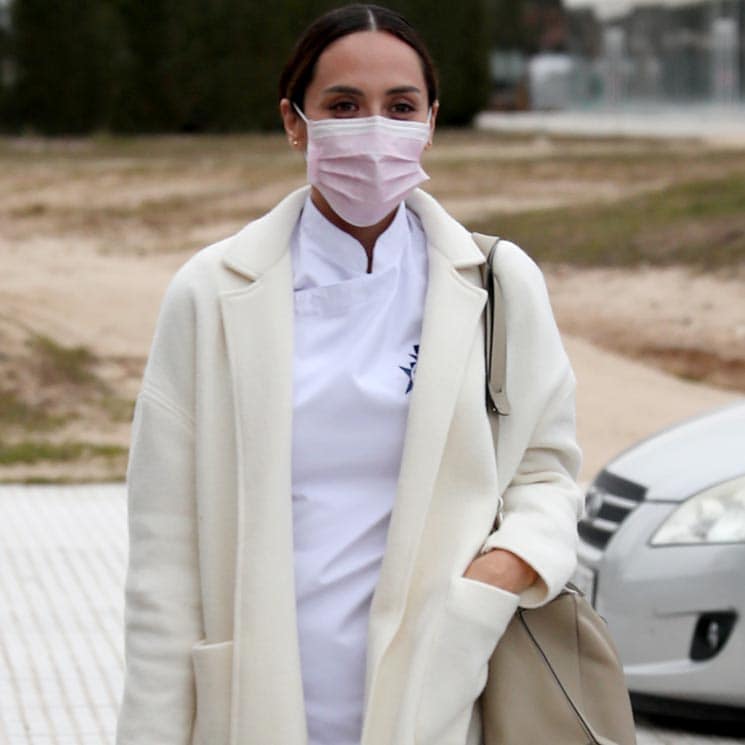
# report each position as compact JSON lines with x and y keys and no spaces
{"x":662,"y":558}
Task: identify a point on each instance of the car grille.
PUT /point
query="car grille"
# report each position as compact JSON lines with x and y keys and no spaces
{"x":609,"y":501}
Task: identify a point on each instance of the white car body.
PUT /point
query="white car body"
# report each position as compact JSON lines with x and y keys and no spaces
{"x":676,"y":611}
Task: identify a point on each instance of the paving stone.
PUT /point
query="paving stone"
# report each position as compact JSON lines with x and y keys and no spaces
{"x":63,"y":557}
{"x":62,"y":562}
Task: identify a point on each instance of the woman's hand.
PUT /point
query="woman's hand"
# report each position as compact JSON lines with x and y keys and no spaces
{"x":502,"y":569}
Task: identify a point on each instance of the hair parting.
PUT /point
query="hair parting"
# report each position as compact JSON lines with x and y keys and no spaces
{"x":349,"y":19}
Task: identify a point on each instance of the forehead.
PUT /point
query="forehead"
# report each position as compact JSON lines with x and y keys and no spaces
{"x":368,"y":59}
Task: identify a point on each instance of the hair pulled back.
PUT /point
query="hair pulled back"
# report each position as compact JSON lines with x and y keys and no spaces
{"x":349,"y":19}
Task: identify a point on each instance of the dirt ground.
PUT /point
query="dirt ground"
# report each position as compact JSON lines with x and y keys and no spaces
{"x":93,"y":230}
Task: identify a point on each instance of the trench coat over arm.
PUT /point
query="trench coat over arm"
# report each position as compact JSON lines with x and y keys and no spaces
{"x":212,"y":654}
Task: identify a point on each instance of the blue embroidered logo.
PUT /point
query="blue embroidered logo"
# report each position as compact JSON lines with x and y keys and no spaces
{"x":411,"y":369}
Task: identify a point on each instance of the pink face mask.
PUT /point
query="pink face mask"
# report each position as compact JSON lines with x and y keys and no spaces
{"x":365,"y":167}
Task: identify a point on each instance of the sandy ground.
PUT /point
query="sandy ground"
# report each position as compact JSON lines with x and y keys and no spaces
{"x":619,"y":401}
{"x":109,"y":304}
{"x":88,"y":247}
{"x":691,"y":324}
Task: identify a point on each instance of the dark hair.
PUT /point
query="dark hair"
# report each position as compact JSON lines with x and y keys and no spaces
{"x":349,"y":19}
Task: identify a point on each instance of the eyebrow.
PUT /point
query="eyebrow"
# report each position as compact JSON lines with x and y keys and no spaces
{"x":357,"y":92}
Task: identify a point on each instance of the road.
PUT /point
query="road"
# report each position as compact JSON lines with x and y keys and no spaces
{"x":62,"y":562}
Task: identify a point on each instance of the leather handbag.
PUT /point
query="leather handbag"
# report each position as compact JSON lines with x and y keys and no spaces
{"x":555,"y":676}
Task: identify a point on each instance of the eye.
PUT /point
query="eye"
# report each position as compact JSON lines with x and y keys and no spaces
{"x":343,"y":108}
{"x":402,"y":109}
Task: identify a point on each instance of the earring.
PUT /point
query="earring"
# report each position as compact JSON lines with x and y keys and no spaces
{"x":295,"y":141}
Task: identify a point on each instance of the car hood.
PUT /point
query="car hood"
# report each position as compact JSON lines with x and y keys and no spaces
{"x":689,"y":457}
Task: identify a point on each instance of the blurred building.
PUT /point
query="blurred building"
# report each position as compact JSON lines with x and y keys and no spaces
{"x":530,"y":37}
{"x":682,"y":51}
{"x":613,"y":53}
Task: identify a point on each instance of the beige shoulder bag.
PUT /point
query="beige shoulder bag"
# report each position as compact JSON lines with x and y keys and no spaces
{"x":555,"y":677}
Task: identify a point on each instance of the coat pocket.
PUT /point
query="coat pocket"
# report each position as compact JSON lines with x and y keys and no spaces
{"x":213,"y":667}
{"x":474,"y":617}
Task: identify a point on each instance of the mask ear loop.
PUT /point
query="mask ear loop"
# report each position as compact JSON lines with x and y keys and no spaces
{"x":307,"y":123}
{"x":299,"y":112}
{"x":429,"y":124}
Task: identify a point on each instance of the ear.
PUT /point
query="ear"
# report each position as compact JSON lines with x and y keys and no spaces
{"x":432,"y":122}
{"x":293,"y":124}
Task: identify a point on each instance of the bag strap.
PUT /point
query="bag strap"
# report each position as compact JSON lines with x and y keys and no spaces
{"x":495,"y":344}
{"x":569,"y":589}
{"x":495,"y":332}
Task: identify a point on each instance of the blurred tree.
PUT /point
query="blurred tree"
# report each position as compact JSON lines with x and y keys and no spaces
{"x":146,"y":98}
{"x":529,"y":26}
{"x":457,"y":34}
{"x":6,"y":65}
{"x":203,"y":66}
{"x":65,"y":55}
{"x":505,"y":24}
{"x":196,"y":66}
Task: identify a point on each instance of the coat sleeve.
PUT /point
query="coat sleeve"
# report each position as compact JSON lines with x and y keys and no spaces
{"x":162,"y":598}
{"x":537,"y":452}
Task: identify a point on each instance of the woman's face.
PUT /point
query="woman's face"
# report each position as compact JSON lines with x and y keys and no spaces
{"x":363,"y":74}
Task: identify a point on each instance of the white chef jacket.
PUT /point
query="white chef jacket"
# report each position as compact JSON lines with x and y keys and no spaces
{"x":356,"y":343}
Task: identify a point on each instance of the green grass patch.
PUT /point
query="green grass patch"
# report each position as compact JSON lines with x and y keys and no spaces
{"x":64,"y":364}
{"x":118,"y":409}
{"x":110,"y":478}
{"x":31,"y":451}
{"x":700,"y":223}
{"x":14,"y":412}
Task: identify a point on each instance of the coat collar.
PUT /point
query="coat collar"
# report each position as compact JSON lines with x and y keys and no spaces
{"x":444,"y":234}
{"x":263,"y":242}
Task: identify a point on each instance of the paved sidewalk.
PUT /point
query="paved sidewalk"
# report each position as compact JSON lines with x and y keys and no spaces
{"x":62,"y":563}
{"x":720,"y":125}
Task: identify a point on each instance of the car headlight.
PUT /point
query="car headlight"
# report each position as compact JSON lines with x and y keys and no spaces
{"x":716,"y":515}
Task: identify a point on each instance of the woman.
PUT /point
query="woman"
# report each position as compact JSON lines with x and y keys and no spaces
{"x":313,"y":484}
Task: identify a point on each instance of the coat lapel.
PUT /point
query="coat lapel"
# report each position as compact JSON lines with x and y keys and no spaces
{"x":267,"y":705}
{"x":453,"y":308}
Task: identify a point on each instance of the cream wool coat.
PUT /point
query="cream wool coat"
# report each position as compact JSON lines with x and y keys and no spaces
{"x":211,"y":639}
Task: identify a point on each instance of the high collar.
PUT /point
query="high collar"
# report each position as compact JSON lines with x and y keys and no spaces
{"x":326,"y":254}
{"x":262,"y":243}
